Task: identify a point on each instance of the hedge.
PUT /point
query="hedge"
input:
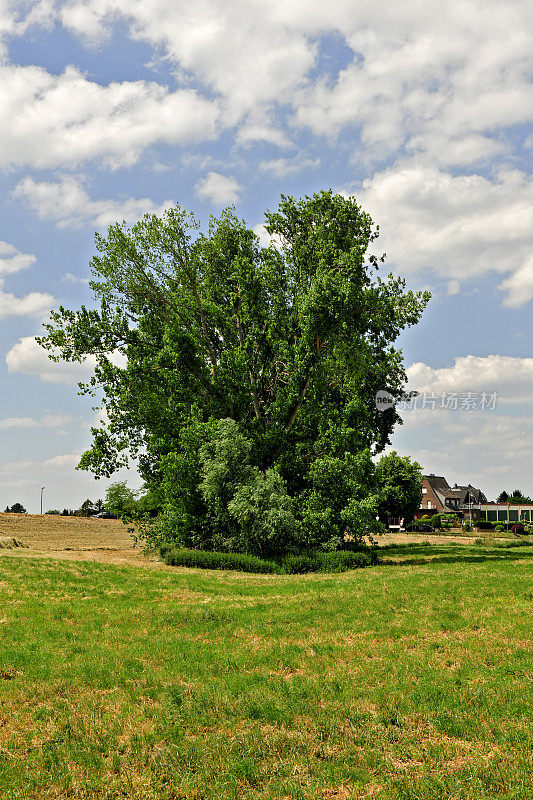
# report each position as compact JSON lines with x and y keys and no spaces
{"x":338,"y":561}
{"x":207,"y":559}
{"x":484,"y":525}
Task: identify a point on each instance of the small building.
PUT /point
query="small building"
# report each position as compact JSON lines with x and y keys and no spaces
{"x":506,"y":512}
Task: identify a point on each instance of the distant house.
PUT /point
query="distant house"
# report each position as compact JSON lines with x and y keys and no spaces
{"x":438,"y":497}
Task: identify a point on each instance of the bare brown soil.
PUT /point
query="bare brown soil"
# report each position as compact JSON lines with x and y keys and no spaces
{"x":73,"y":538}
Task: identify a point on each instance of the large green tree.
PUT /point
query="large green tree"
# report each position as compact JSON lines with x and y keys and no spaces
{"x":291,"y":342}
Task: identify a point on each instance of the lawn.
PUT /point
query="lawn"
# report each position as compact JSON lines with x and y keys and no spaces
{"x":406,"y":680}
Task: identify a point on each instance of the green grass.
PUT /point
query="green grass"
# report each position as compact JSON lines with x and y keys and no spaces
{"x":405,"y":681}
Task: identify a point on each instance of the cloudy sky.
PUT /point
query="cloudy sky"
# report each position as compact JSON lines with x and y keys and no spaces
{"x":421,"y":109}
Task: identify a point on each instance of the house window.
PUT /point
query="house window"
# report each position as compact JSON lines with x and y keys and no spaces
{"x":424,"y":490}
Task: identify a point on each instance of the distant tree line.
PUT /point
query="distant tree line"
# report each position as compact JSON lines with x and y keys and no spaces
{"x":16,"y":508}
{"x":119,"y":500}
{"x":516,"y":496}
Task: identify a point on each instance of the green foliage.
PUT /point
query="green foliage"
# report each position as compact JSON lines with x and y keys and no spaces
{"x":207,"y":559}
{"x":436,"y":521}
{"x":515,"y":498}
{"x":289,"y":343}
{"x":484,"y":525}
{"x":16,"y":508}
{"x":332,"y":562}
{"x":399,"y":481}
{"x":87,"y":508}
{"x":342,"y":502}
{"x":264,"y":514}
{"x":299,"y":564}
{"x":119,"y":499}
{"x":55,"y":511}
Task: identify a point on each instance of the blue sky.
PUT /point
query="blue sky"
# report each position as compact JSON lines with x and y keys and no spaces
{"x":422,"y":110}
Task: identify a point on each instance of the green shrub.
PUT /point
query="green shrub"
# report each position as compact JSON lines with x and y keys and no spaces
{"x":334,"y":561}
{"x":208,"y":559}
{"x":342,"y":560}
{"x":299,"y":564}
{"x":514,"y":544}
{"x":484,"y":525}
{"x":338,"y":561}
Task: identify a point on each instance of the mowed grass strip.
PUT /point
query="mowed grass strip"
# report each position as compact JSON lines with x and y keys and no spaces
{"x":399,"y":681}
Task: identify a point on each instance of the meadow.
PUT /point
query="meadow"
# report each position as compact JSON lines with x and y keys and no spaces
{"x":410,"y":680}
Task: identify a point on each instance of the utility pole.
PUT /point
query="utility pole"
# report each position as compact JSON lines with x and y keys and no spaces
{"x":42,"y":490}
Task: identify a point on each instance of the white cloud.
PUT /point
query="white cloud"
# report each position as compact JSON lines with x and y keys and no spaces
{"x":510,"y":377}
{"x":265,"y":239}
{"x":281,"y":167}
{"x":21,"y":481}
{"x":66,"y":460}
{"x":18,"y":422}
{"x":58,"y":120}
{"x":440,"y":78}
{"x":519,"y":286}
{"x":488,"y":449}
{"x":236,"y":48}
{"x":218,"y":189}
{"x":12,"y":260}
{"x":67,"y":203}
{"x":68,"y":277}
{"x":458,"y":227}
{"x":252,"y":132}
{"x":26,"y":357}
{"x":47,"y":421}
{"x":33,"y":304}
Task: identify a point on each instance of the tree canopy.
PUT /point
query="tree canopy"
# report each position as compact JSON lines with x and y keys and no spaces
{"x":193,"y":329}
{"x":16,"y":508}
{"x":517,"y":496}
{"x":399,"y":481}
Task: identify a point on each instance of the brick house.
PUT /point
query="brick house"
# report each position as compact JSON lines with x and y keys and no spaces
{"x":439,"y":497}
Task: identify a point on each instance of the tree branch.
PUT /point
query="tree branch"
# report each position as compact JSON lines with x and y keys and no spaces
{"x":300,"y":402}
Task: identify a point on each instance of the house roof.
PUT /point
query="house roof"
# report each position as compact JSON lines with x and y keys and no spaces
{"x":445,"y":492}
{"x":437,"y":482}
{"x":477,"y":494}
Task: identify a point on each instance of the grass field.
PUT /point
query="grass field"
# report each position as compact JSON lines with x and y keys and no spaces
{"x":407,"y":680}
